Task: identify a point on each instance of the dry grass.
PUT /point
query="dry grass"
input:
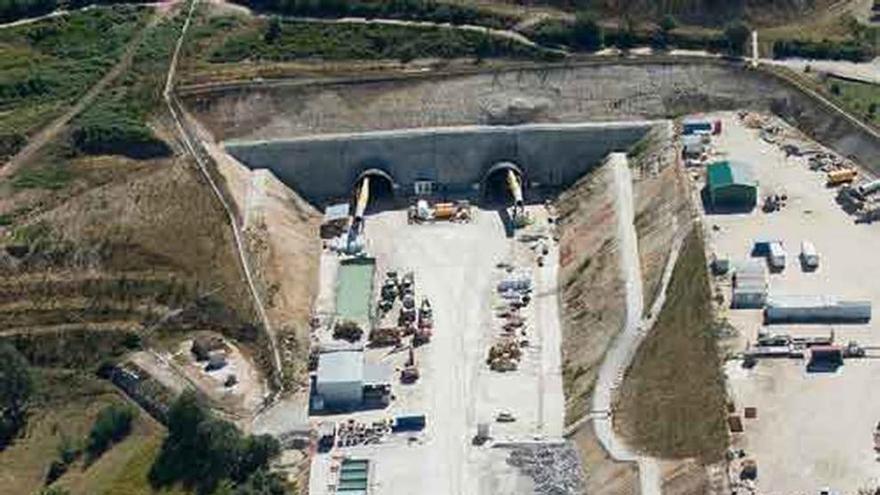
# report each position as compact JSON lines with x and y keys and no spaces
{"x":672,"y":401}
{"x":66,"y":405}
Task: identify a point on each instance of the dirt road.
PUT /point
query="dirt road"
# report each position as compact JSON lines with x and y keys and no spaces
{"x":52,"y":130}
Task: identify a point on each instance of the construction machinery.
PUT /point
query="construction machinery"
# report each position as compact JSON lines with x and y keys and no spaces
{"x":841,"y":176}
{"x":514,"y":184}
{"x":421,"y":212}
{"x":410,"y":372}
{"x":385,"y":337}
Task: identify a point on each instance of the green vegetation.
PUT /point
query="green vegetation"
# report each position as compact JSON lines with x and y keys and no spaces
{"x":45,"y":177}
{"x":422,"y":10}
{"x":111,"y":426}
{"x":116,"y":123}
{"x":16,"y":386}
{"x":208,"y":453}
{"x":301,"y":40}
{"x":587,"y":33}
{"x":46,"y":65}
{"x":11,"y":10}
{"x":672,"y":401}
{"x":854,"y":51}
{"x":737,"y":34}
{"x":862,"y":99}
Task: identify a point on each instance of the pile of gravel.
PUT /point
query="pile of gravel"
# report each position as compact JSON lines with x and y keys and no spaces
{"x":555,"y":468}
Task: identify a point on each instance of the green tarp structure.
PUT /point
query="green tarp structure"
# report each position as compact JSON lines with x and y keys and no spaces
{"x":730,"y":185}
{"x":353,"y":477}
{"x":354,"y":290}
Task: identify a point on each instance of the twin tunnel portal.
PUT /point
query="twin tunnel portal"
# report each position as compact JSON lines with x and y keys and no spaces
{"x":500,"y":166}
{"x":503,"y":184}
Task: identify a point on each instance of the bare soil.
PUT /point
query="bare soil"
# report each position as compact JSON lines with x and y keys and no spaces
{"x":588,"y":259}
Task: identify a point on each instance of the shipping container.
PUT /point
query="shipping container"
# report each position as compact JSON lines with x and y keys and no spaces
{"x":415,"y":422}
{"x":815,"y":309}
{"x":694,"y":126}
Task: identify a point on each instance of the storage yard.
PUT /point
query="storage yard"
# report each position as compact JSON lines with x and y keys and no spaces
{"x":802,"y":417}
{"x":450,"y":407}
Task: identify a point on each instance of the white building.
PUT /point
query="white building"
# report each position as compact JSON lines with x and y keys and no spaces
{"x":340,"y":380}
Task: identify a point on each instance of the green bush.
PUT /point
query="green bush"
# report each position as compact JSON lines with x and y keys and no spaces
{"x":16,"y":386}
{"x":45,"y":177}
{"x":208,"y":453}
{"x":423,"y":10}
{"x":588,"y":34}
{"x":114,"y":129}
{"x":737,"y":35}
{"x":301,"y":40}
{"x":112,"y":425}
{"x":848,"y":50}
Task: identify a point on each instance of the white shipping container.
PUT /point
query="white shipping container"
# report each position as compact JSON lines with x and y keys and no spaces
{"x":815,"y":309}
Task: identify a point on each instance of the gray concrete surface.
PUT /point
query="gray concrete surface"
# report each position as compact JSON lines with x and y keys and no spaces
{"x":457,"y":158}
{"x":813,"y":429}
{"x":455,"y":267}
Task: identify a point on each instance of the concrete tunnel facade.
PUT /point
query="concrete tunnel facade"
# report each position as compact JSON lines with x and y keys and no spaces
{"x":457,"y":159}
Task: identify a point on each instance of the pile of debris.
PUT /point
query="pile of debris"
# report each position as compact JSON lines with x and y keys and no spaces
{"x":515,"y":291}
{"x":210,"y":349}
{"x":504,"y":355}
{"x":554,"y":468}
{"x":351,"y":433}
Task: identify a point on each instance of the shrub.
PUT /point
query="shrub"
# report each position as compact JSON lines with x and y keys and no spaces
{"x":207,"y":452}
{"x":112,"y":425}
{"x":737,"y":34}
{"x":848,"y":50}
{"x":113,"y":129}
{"x":16,"y":385}
{"x":588,"y":34}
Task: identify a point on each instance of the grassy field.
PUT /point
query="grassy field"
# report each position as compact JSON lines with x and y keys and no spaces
{"x":66,"y":405}
{"x":46,"y":65}
{"x":861,"y":99}
{"x":672,"y":403}
{"x":219,"y":41}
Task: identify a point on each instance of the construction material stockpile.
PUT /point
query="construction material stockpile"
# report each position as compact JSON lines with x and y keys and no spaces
{"x":515,"y":291}
{"x":555,"y":469}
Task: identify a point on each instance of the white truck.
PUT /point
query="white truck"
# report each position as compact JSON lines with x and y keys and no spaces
{"x":776,"y":256}
{"x":809,"y":256}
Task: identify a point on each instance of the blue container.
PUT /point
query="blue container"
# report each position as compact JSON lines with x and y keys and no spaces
{"x":409,"y":423}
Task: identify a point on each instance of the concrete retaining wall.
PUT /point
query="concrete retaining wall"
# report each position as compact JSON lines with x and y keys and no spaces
{"x":458,"y":158}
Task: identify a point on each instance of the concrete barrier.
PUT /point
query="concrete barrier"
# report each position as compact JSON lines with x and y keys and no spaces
{"x":457,"y":159}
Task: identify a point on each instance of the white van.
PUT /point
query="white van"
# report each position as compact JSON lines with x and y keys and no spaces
{"x":809,"y":256}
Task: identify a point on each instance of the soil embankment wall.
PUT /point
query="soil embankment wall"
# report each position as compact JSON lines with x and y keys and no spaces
{"x":457,"y":159}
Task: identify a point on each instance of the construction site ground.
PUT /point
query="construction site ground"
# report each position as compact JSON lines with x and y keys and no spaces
{"x":812,"y":430}
{"x":455,"y":267}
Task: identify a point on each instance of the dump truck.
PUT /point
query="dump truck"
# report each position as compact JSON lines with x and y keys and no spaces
{"x":842,"y":176}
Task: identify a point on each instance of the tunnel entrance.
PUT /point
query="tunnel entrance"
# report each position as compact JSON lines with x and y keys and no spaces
{"x":380,"y":191}
{"x":497,"y":189}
